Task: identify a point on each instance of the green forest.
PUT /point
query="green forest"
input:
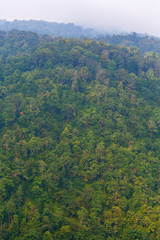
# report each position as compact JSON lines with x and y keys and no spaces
{"x":79,"y":140}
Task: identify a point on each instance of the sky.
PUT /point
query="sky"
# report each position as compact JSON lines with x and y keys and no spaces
{"x":141,"y":16}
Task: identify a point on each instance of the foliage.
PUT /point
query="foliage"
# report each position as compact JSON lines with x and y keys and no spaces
{"x":79,"y":134}
{"x":145,"y":43}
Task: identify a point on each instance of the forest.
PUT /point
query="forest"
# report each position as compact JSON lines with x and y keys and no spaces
{"x":79,"y":139}
{"x":145,"y":43}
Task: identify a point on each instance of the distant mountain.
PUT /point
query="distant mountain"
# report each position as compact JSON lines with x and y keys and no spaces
{"x":50,"y":28}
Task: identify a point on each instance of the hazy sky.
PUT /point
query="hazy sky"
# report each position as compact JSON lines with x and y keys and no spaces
{"x":141,"y":16}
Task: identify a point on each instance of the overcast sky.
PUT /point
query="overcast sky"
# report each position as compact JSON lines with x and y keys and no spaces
{"x":141,"y":16}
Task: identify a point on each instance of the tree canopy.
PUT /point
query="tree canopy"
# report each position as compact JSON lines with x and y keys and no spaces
{"x":79,"y":140}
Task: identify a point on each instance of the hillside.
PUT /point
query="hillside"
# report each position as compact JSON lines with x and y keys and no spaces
{"x":79,"y":140}
{"x":144,"y":43}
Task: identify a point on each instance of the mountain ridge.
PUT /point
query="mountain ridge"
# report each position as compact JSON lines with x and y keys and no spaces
{"x":144,"y":42}
{"x":50,"y":28}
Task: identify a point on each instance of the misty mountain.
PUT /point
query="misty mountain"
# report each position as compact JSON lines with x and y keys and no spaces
{"x":50,"y":28}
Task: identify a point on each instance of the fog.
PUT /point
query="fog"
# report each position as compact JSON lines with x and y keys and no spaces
{"x":140,"y":16}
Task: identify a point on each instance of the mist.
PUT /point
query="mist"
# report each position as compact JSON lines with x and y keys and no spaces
{"x":107,"y":15}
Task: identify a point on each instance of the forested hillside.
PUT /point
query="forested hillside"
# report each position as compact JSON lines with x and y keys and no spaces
{"x":79,"y":140}
{"x":144,"y":43}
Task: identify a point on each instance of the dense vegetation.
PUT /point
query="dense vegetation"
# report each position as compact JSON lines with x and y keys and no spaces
{"x":79,"y":140}
{"x":144,"y":43}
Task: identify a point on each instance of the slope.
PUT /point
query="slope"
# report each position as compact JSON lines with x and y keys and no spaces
{"x":79,"y":134}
